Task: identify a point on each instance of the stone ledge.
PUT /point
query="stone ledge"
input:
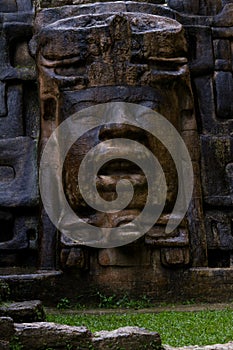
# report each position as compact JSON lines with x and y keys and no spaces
{"x":56,"y":336}
{"x":26,"y":311}
{"x":51,"y":335}
{"x":57,"y":3}
{"x":129,"y":338}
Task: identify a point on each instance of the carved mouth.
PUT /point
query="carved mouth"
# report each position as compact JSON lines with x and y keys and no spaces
{"x":119,"y":167}
{"x":110,"y":175}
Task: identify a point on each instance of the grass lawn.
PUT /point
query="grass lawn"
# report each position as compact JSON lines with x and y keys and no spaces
{"x":175,"y":328}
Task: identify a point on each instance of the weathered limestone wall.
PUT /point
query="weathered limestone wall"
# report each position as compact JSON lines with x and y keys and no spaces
{"x":186,"y":75}
{"x":19,"y":130}
{"x":210,"y":34}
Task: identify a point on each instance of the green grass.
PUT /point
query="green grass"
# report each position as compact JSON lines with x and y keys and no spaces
{"x":175,"y":328}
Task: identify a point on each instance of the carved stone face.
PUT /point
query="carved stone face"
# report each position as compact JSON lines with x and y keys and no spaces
{"x":91,"y":59}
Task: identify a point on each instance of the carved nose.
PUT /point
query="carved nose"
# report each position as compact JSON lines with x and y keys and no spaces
{"x":127,"y":131}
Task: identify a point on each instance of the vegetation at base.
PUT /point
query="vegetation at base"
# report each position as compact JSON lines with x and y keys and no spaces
{"x":108,"y":302}
{"x":15,"y":344}
{"x":4,"y":291}
{"x":175,"y":328}
{"x":114,"y":302}
{"x":63,"y":304}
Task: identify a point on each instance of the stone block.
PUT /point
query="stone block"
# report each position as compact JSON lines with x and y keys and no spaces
{"x":20,"y":55}
{"x":21,"y":155}
{"x":75,"y":258}
{"x":6,"y":224}
{"x":52,"y":335}
{"x":6,"y":328}
{"x":205,"y":101}
{"x":224,"y":94}
{"x":206,"y":107}
{"x":26,"y":311}
{"x":18,"y":232}
{"x":15,"y":60}
{"x":217,"y":157}
{"x":8,"y":6}
{"x":200,"y":49}
{"x":158,"y":238}
{"x":27,"y":227}
{"x":31,"y":110}
{"x":57,"y":3}
{"x":18,"y":242}
{"x":219,"y":230}
{"x":25,"y":5}
{"x":225,"y":17}
{"x":48,"y":243}
{"x":191,"y":140}
{"x":222,"y":32}
{"x":11,"y":124}
{"x":133,"y":255}
{"x":193,"y":7}
{"x":129,"y":338}
{"x":23,"y":234}
{"x":175,"y":256}
{"x":222,"y":54}
{"x":3,"y":107}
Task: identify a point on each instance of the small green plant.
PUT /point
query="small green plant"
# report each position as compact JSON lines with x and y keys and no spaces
{"x":4,"y":291}
{"x":79,"y":306}
{"x":63,"y":304}
{"x":15,"y":344}
{"x":124,"y":302}
{"x":106,"y":301}
{"x":189,"y":302}
{"x":69,"y":346}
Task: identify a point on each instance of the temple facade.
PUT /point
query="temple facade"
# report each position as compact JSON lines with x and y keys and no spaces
{"x":174,"y":57}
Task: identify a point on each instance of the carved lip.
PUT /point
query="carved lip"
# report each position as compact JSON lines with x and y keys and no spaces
{"x":108,"y":183}
{"x":120,"y":167}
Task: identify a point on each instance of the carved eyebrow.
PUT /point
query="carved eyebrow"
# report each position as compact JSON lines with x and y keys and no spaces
{"x":59,"y":63}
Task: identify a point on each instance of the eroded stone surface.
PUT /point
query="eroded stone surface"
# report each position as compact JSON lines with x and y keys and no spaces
{"x":6,"y":328}
{"x":128,"y":338}
{"x":27,"y":311}
{"x":89,"y":53}
{"x":52,"y":335}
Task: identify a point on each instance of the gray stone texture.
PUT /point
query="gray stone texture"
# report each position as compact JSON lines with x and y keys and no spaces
{"x":27,"y":311}
{"x":51,"y":335}
{"x":7,"y":330}
{"x":19,"y":130}
{"x":21,"y":190}
{"x":127,"y":338}
{"x":184,"y":72}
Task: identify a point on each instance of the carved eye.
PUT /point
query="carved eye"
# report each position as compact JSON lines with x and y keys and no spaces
{"x":76,"y":69}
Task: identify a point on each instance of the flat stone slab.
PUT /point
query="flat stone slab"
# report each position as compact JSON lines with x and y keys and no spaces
{"x":26,"y":311}
{"x":129,"y":338}
{"x":43,"y":335}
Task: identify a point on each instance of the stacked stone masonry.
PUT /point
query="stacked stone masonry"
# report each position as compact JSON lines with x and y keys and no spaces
{"x":19,"y":130}
{"x":173,"y":56}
